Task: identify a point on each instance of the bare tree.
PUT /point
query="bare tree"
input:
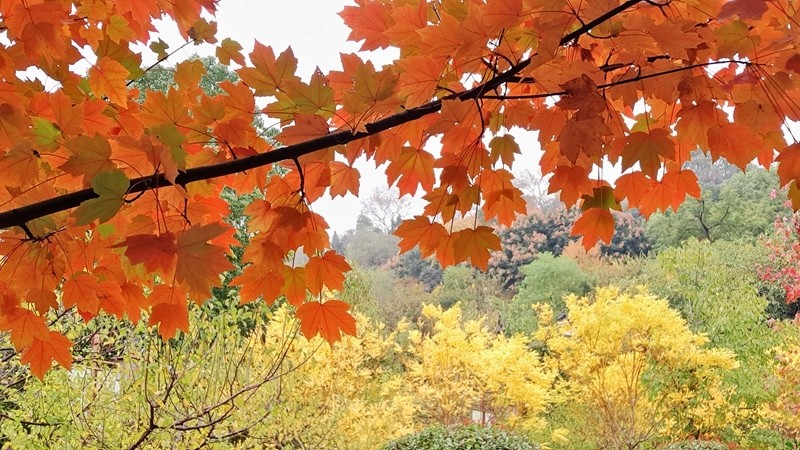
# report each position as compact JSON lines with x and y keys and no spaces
{"x":384,"y":208}
{"x":534,"y":190}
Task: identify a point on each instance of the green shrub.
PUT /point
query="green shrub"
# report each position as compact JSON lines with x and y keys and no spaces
{"x":547,"y":280}
{"x":696,"y":445}
{"x":473,"y":437}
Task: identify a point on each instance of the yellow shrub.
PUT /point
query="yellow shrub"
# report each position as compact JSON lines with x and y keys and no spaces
{"x":459,"y":366}
{"x":634,"y":372}
{"x":782,"y":414}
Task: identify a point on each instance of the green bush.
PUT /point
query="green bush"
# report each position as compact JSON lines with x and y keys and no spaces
{"x":473,"y":437}
{"x":696,"y":445}
{"x":547,"y":280}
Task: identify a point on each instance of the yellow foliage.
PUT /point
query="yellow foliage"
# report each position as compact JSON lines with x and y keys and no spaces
{"x":335,"y":397}
{"x":782,"y":414}
{"x":459,"y":366}
{"x":633,"y":371}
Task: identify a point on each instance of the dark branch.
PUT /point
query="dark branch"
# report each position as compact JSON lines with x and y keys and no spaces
{"x":22,"y":215}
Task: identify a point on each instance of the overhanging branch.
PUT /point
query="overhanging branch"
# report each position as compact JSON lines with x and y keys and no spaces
{"x":20,"y":216}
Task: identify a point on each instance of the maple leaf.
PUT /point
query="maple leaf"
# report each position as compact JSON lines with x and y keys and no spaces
{"x":305,"y":128}
{"x":602,"y":197}
{"x":695,"y":121}
{"x":83,"y":290}
{"x":329,"y":320}
{"x":419,"y":78}
{"x":475,"y":245}
{"x":199,"y":264}
{"x":42,"y":352}
{"x":368,"y":21}
{"x":230,"y":50}
{"x":504,"y":204}
{"x":107,"y":79}
{"x":745,"y":9}
{"x":634,"y":186}
{"x":735,"y":142}
{"x":411,"y":169}
{"x":328,"y":269}
{"x":25,"y":326}
{"x":294,"y":285}
{"x":169,"y":311}
{"x":344,"y":178}
{"x":259,"y":281}
{"x":572,"y":181}
{"x":420,"y":231}
{"x":158,"y":253}
{"x":594,"y":224}
{"x":503,"y":148}
{"x":734,"y":38}
{"x":90,"y":156}
{"x":110,"y":187}
{"x":648,"y":149}
{"x":789,"y":167}
{"x":268,"y":73}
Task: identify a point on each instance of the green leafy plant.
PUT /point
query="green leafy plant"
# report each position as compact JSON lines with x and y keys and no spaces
{"x":473,"y":437}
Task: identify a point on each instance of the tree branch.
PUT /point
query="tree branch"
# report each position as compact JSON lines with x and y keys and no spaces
{"x":20,"y":216}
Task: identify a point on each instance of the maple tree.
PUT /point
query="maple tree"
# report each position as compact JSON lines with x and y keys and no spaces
{"x":111,"y":205}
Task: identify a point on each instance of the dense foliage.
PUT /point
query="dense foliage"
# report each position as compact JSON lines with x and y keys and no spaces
{"x":461,"y":438}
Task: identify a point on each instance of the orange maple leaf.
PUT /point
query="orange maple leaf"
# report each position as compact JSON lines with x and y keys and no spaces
{"x":25,"y":326}
{"x":594,"y":224}
{"x":230,"y":50}
{"x":328,"y":270}
{"x":268,"y":73}
{"x":107,"y":79}
{"x":420,"y":231}
{"x":344,"y":178}
{"x":648,"y":149}
{"x":419,"y":78}
{"x":199,"y":264}
{"x":634,"y":186}
{"x":294,"y":284}
{"x":572,"y":181}
{"x":83,"y":290}
{"x":368,"y":21}
{"x":259,"y":280}
{"x":157,"y":253}
{"x":412,"y":168}
{"x":789,"y":167}
{"x":475,"y":245}
{"x":42,"y":352}
{"x":503,"y":148}
{"x":305,"y":128}
{"x":330,"y":320}
{"x":170,"y":310}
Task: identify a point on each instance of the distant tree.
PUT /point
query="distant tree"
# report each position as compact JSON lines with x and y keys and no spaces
{"x":534,"y":190}
{"x":385,"y":208}
{"x":369,"y":248}
{"x":716,"y":289}
{"x":546,"y":280}
{"x":411,"y":264}
{"x":711,"y":173}
{"x":473,"y":289}
{"x":526,"y":239}
{"x":551,"y":232}
{"x":743,"y":205}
